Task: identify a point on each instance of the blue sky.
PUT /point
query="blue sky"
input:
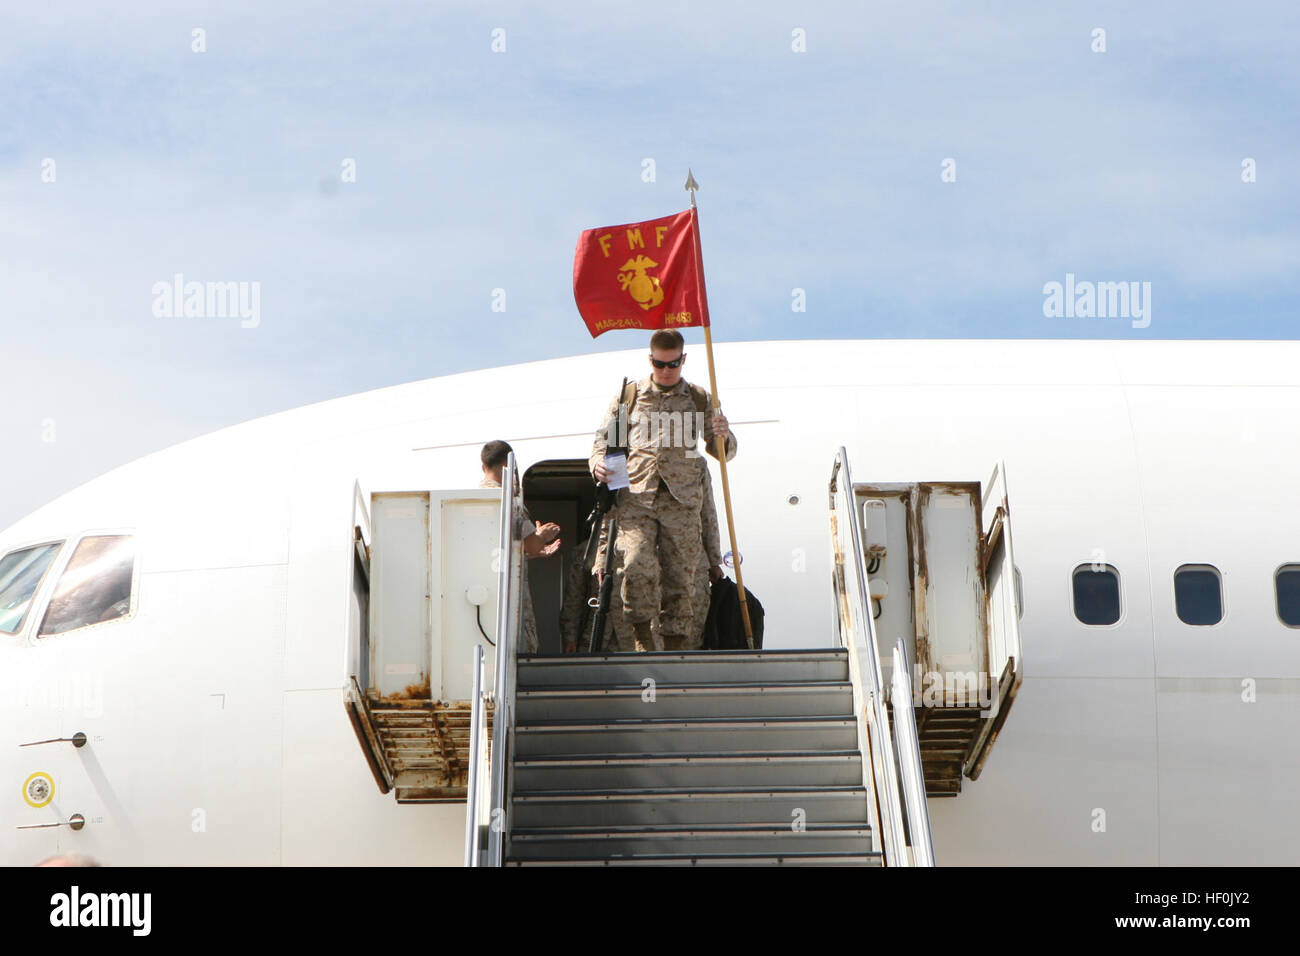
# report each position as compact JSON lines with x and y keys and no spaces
{"x":476,"y":170}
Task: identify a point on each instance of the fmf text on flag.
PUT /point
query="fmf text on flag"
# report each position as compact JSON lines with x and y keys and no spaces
{"x":642,"y":275}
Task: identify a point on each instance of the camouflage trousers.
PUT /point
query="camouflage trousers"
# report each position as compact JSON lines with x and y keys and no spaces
{"x":662,"y":555}
{"x":529,"y":642}
{"x":618,"y":637}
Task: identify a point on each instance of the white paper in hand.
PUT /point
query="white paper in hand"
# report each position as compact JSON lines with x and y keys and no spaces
{"x":616,"y":465}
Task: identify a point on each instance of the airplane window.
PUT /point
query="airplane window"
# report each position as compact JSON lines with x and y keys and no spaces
{"x":1096,"y":594}
{"x":1288,"y":594}
{"x":20,"y":575}
{"x":1198,"y":594}
{"x":95,"y":586}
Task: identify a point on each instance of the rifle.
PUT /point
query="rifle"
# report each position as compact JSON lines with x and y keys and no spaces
{"x":604,"y":502}
{"x":605,"y":497}
{"x":603,"y":506}
{"x":606,"y":590}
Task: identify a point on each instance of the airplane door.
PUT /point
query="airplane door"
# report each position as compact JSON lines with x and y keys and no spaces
{"x":1006,"y":665}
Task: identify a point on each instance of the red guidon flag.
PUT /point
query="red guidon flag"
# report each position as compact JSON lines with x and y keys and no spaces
{"x":643,"y":275}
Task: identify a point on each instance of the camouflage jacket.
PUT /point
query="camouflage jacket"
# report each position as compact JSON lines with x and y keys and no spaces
{"x":663,"y":440}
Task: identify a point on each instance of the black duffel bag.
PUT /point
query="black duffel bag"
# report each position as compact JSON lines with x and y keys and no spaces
{"x":725,"y":628}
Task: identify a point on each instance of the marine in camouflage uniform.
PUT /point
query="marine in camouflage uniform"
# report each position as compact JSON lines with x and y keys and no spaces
{"x":660,"y":533}
{"x":538,"y":542}
{"x":529,"y":642}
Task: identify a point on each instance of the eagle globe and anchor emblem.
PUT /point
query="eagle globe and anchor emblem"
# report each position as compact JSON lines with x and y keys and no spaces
{"x":644,"y":289}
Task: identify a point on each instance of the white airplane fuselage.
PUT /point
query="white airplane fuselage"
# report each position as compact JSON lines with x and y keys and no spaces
{"x":214,"y":713}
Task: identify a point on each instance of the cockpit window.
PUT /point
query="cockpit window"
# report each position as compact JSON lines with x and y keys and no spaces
{"x":20,"y":575}
{"x":95,"y":586}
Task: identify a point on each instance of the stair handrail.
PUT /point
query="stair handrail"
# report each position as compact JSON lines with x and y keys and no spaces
{"x":509,"y":607}
{"x":858,"y":636}
{"x":919,"y":837}
{"x":477,"y":755}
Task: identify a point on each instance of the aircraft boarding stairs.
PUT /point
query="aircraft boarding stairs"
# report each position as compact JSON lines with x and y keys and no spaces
{"x":676,"y":758}
{"x":765,"y":756}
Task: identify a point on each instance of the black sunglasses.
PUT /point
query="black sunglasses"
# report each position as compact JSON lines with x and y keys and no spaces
{"x":673,"y":364}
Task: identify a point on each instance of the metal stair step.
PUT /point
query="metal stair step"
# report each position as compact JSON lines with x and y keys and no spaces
{"x":632,"y":843}
{"x":821,"y":698}
{"x":717,"y":859}
{"x":612,"y":808}
{"x":613,"y":771}
{"x":723,"y":735}
{"x":684,"y":667}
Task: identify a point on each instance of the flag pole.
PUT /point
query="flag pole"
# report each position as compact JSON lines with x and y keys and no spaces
{"x":691,"y":186}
